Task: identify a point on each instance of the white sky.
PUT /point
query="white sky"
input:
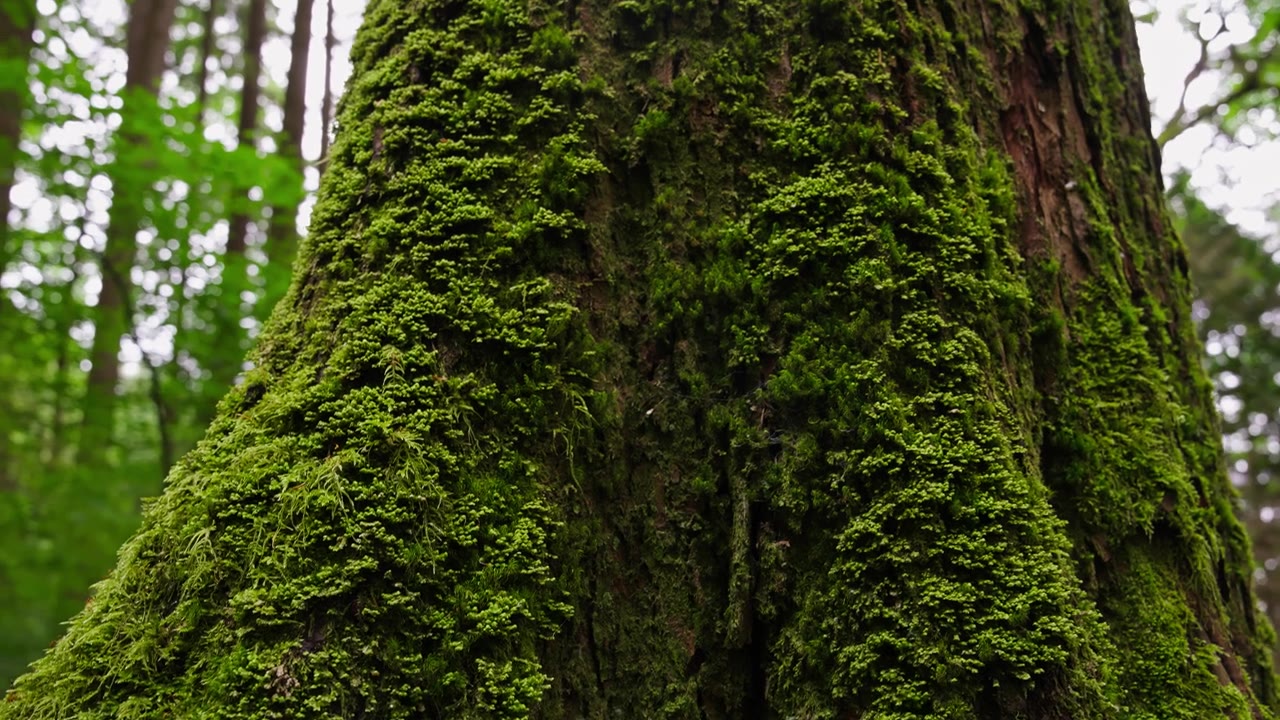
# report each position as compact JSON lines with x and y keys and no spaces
{"x":1244,"y":181}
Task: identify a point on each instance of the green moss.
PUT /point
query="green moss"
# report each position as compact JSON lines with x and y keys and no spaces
{"x":678,"y":359}
{"x":1175,"y":675}
{"x":365,"y":530}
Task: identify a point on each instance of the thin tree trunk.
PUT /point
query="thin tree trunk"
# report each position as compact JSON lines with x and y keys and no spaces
{"x":326,"y":107}
{"x":163,"y":432}
{"x":146,"y":43}
{"x":208,"y":50}
{"x":709,"y":360}
{"x":283,"y":235}
{"x":17,"y":22}
{"x":247,"y":125}
{"x":225,"y":363}
{"x":70,"y":313}
{"x":186,"y":327}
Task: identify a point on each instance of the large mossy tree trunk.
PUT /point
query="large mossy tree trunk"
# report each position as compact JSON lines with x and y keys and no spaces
{"x":743,"y":359}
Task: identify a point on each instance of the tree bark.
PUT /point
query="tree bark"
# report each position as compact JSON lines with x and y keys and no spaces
{"x":146,"y":43}
{"x":741,"y":360}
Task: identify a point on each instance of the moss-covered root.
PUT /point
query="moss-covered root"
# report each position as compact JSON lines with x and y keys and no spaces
{"x":755,"y":359}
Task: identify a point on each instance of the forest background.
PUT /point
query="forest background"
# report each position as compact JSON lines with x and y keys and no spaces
{"x":158,"y":160}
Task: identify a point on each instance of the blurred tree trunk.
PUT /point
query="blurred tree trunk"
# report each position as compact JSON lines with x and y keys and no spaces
{"x":208,"y":51}
{"x":225,"y":361}
{"x":146,"y":43}
{"x":17,"y":22}
{"x":326,"y":106}
{"x":283,"y":234}
{"x":761,"y":359}
{"x":250,"y":105}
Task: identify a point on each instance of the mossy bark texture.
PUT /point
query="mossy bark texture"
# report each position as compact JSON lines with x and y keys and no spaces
{"x":716,"y":359}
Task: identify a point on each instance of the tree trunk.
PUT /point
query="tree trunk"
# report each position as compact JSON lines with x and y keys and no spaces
{"x":208,"y":51}
{"x":17,"y":21}
{"x":247,"y":125}
{"x":326,"y":104}
{"x":798,"y":359}
{"x":282,"y":237}
{"x":225,"y":363}
{"x":146,"y":43}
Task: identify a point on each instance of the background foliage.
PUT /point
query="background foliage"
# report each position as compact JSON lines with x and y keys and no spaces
{"x":97,"y":145}
{"x":1219,"y":129}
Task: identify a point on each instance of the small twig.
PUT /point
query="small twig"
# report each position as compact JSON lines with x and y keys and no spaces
{"x":1197,"y":70}
{"x":1252,"y":82}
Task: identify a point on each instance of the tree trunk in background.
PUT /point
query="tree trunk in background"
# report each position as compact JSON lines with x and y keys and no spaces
{"x":146,"y":43}
{"x":208,"y":48}
{"x":225,"y":363}
{"x":326,"y":107}
{"x":755,"y":359}
{"x":250,"y":102}
{"x":17,"y":21}
{"x":282,"y":238}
